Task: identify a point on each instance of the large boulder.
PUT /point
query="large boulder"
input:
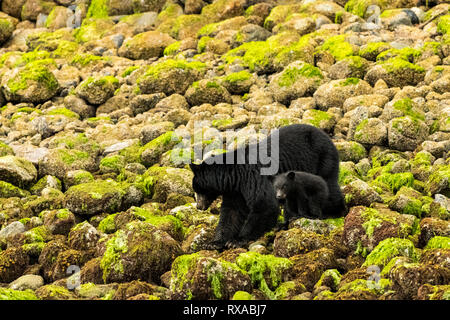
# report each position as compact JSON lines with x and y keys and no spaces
{"x":17,"y":171}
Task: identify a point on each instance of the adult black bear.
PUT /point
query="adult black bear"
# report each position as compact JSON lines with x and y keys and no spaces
{"x":302,"y":193}
{"x":249,"y":206}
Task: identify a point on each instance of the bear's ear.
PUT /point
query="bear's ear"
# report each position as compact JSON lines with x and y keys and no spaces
{"x":291,"y":175}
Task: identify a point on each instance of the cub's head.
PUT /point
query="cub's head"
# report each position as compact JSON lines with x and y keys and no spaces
{"x":204,"y":193}
{"x":282,"y":184}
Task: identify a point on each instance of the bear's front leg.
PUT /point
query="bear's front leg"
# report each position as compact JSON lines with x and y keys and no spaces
{"x":231,"y":219}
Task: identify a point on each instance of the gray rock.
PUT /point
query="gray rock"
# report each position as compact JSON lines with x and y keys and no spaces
{"x":28,"y":281}
{"x":11,"y":229}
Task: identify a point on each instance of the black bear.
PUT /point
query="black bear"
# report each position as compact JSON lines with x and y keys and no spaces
{"x":303,"y":194}
{"x":249,"y":206}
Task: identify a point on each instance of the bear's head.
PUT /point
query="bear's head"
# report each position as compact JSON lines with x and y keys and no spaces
{"x":205,"y":193}
{"x":282,"y":184}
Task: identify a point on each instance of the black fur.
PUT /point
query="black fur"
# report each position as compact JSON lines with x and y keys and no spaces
{"x":302,"y":193}
{"x":249,"y":206}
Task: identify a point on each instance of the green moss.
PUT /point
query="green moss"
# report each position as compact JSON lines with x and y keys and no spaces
{"x":69,"y":156}
{"x":292,"y":74}
{"x":155,"y":70}
{"x":65,"y":49}
{"x":107,"y":225}
{"x":256,"y":55}
{"x":7,"y":190}
{"x":242,"y":295}
{"x":5,"y":149}
{"x":390,"y":248}
{"x":372,"y":49}
{"x":359,"y":7}
{"x":63,"y":112}
{"x":112,"y":163}
{"x":334,"y":274}
{"x":160,"y":221}
{"x":180,"y":268}
{"x":398,"y":64}
{"x":238,"y":76}
{"x":376,"y":287}
{"x":443,"y":25}
{"x":10,"y":294}
{"x":338,"y":47}
{"x":395,"y":181}
{"x":85,"y":59}
{"x":261,"y":267}
{"x":406,"y":107}
{"x":349,"y":82}
{"x":111,"y":259}
{"x":438,"y":242}
{"x":407,"y":54}
{"x":318,"y":117}
{"x":373,"y":219}
{"x":98,"y":9}
{"x":92,"y":29}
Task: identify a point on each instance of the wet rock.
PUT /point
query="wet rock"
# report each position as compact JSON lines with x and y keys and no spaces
{"x":199,"y":277}
{"x":29,"y":281}
{"x":83,"y":236}
{"x":13,"y":262}
{"x":31,"y":83}
{"x":139,"y":251}
{"x":207,"y":91}
{"x":408,"y":278}
{"x":359,"y":193}
{"x":431,"y":227}
{"x":335,"y":92}
{"x":295,"y":81}
{"x":97,"y":90}
{"x":145,"y":45}
{"x":406,"y":133}
{"x":297,"y":241}
{"x":95,"y":197}
{"x":365,"y":227}
{"x":17,"y":171}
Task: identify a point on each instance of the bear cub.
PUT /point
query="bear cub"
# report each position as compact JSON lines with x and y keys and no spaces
{"x":302,"y":194}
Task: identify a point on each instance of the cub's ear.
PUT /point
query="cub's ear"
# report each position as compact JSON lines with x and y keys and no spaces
{"x":291,"y":175}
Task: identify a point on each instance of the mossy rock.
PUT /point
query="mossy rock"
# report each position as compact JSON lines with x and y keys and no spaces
{"x":439,"y":180}
{"x":406,"y":133}
{"x":54,"y":292}
{"x":138,"y":251}
{"x":8,"y":190}
{"x":17,"y":171}
{"x":97,"y":90}
{"x":33,"y":83}
{"x":7,"y":26}
{"x":390,"y":248}
{"x":297,"y":241}
{"x":396,"y":72}
{"x":199,"y":277}
{"x":94,"y":197}
{"x":159,"y":182}
{"x":151,"y":152}
{"x":92,"y":29}
{"x":207,"y":91}
{"x":170,"y":76}
{"x":145,"y":45}
{"x":295,"y":81}
{"x":5,"y":150}
{"x":365,"y":227}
